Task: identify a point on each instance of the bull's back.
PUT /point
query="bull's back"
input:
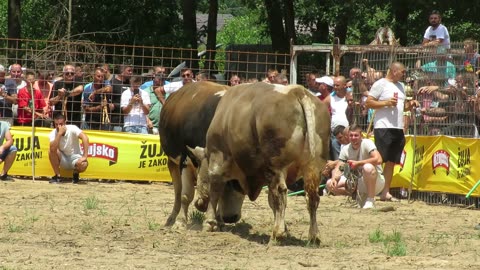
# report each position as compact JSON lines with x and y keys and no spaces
{"x":255,"y":125}
{"x":186,"y":116}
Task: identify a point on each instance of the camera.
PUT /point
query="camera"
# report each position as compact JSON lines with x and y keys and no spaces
{"x":135,"y":91}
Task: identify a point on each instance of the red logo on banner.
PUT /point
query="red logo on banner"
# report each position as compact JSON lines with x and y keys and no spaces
{"x":441,"y":158}
{"x":105,"y":151}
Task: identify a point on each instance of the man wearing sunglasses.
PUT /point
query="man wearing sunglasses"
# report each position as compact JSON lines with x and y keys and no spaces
{"x":187,"y":77}
{"x":67,"y":98}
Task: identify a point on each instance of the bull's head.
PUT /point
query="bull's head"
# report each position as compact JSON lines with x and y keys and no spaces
{"x":231,"y":200}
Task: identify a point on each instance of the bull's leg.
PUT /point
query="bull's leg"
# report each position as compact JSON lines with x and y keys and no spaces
{"x":311,"y":183}
{"x":188,"y":190}
{"x":177,"y":187}
{"x":277,"y":199}
{"x":214,"y":221}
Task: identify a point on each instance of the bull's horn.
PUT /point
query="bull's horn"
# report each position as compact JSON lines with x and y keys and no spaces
{"x":198,"y":152}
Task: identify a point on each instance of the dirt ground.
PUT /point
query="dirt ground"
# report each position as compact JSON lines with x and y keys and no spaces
{"x":99,"y":225}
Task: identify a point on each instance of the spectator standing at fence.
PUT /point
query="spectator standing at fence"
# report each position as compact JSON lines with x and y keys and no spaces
{"x":119,"y":83}
{"x":339,"y":105}
{"x":45,"y":86}
{"x":187,"y":77}
{"x":65,"y":149}
{"x":470,"y":63}
{"x":436,"y":34}
{"x":135,"y":105}
{"x":156,"y":70}
{"x":106,"y":71}
{"x":8,"y":98}
{"x":157,"y":99}
{"x":234,"y":80}
{"x":271,"y":76}
{"x":311,"y":84}
{"x":67,"y":96}
{"x":360,"y":154}
{"x":96,"y":103}
{"x":387,"y":97}
{"x":8,"y":151}
{"x":28,"y":105}
{"x":324,"y":85}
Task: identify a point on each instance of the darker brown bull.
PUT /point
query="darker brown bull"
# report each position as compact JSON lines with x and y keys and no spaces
{"x":184,"y":121}
{"x":265,"y":134}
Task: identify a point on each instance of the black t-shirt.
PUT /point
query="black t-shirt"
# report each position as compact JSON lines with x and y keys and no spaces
{"x":117,"y":89}
{"x":74,"y":103}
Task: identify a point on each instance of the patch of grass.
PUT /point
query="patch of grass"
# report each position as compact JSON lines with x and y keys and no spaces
{"x":397,"y":249}
{"x":86,"y":227}
{"x":13,"y":227}
{"x":197,"y":217}
{"x":91,"y":202}
{"x":152,"y":225}
{"x":376,"y":236}
{"x":393,"y":243}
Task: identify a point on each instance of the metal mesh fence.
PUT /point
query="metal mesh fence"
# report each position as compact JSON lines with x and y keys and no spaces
{"x":443,"y":81}
{"x":49,"y":57}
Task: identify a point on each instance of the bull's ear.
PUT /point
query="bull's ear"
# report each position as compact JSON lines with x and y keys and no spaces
{"x":198,"y":152}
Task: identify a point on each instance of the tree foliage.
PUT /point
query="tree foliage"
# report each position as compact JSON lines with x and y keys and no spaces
{"x":162,"y":22}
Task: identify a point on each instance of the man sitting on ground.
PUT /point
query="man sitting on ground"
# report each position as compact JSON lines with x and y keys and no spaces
{"x":360,"y":154}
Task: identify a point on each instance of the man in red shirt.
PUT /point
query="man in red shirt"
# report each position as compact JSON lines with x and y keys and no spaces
{"x":25,"y":104}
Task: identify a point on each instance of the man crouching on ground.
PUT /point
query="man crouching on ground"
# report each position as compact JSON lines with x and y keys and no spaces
{"x":65,"y":149}
{"x":360,"y":154}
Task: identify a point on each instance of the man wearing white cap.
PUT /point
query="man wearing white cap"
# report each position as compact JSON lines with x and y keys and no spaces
{"x":325,"y":87}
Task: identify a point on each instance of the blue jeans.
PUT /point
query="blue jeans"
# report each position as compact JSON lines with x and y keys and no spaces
{"x":136,"y":129}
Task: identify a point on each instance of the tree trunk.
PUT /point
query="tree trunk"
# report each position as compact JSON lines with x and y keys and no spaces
{"x":212,"y":34}
{"x":290,"y":21}
{"x":14,"y":28}
{"x":189,"y":9}
{"x":401,"y":10}
{"x":275,"y":25}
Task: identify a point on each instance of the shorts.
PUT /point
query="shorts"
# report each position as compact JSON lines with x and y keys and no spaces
{"x":68,"y":162}
{"x":389,"y":143}
{"x":379,"y":185}
{"x":5,"y":153}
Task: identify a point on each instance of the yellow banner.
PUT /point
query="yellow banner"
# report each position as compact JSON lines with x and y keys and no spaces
{"x":441,"y":164}
{"x":112,"y":155}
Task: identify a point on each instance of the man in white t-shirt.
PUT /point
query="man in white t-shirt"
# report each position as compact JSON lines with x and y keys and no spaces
{"x":360,"y":154}
{"x":65,"y":149}
{"x":436,"y":34}
{"x":135,"y":104}
{"x":387,"y":97}
{"x":338,"y":105}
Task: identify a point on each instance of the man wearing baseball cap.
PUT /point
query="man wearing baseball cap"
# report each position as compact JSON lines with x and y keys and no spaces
{"x":325,"y":87}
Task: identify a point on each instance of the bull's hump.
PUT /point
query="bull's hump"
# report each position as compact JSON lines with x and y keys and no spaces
{"x":281,"y":88}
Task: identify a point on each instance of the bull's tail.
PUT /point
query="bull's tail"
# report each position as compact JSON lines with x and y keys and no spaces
{"x":308,"y":108}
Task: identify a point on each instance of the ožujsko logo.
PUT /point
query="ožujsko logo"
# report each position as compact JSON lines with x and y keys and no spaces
{"x":441,"y":158}
{"x":104,"y":151}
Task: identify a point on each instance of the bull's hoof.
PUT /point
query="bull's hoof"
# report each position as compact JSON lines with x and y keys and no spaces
{"x":210,"y":225}
{"x":179,"y":225}
{"x":201,"y":205}
{"x":170,"y":221}
{"x":315,"y":241}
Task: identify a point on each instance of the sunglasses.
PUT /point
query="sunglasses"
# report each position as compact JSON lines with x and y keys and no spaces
{"x":186,"y":75}
{"x":69,"y":73}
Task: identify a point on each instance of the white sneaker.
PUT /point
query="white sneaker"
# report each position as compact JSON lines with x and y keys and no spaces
{"x":368,"y":204}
